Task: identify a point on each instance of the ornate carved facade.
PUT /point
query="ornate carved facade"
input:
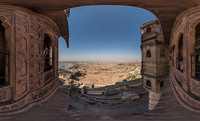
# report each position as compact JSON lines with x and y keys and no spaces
{"x":154,"y":60}
{"x":183,"y":54}
{"x":24,"y":59}
{"x":186,"y":82}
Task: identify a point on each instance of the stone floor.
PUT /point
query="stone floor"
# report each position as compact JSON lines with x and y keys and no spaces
{"x":56,"y":109}
{"x":135,"y":107}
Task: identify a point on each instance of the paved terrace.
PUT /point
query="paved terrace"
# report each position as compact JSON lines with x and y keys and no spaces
{"x":56,"y":109}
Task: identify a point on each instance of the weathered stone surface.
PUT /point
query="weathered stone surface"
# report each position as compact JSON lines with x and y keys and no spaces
{"x":26,"y":80}
{"x":56,"y":108}
{"x":185,"y":83}
{"x":154,"y":60}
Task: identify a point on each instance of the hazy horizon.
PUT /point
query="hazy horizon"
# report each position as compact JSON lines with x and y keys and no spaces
{"x":101,"y":60}
{"x":104,"y":33}
{"x":96,"y":61}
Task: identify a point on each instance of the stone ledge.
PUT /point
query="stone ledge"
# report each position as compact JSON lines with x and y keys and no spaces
{"x":28,"y":101}
{"x":183,"y":98}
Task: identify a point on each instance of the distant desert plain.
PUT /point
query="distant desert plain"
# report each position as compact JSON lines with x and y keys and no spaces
{"x":98,"y":73}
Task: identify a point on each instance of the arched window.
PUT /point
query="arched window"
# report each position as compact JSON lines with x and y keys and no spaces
{"x":197,"y":51}
{"x":180,"y":54}
{"x":4,"y":55}
{"x":162,"y":53}
{"x":173,"y":57}
{"x":148,"y":84}
{"x":148,"y":30}
{"x":161,"y":84}
{"x":148,"y":54}
{"x":47,"y":53}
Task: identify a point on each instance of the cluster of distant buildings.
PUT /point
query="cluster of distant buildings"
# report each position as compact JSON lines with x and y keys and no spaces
{"x":64,"y":65}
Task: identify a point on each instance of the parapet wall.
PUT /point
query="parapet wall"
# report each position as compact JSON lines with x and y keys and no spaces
{"x":26,"y":80}
{"x":30,"y":98}
{"x":184,"y":97}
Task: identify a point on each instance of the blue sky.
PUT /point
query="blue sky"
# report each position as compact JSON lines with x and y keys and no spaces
{"x":104,"y":33}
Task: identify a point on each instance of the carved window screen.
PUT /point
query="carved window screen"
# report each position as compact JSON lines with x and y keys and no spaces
{"x":47,"y":53}
{"x":195,"y":58}
{"x":179,"y":59}
{"x":4,"y":58}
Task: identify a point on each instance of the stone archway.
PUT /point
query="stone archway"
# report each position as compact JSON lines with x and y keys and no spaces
{"x":148,"y":54}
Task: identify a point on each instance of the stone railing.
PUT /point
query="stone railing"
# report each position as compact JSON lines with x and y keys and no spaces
{"x":179,"y":76}
{"x":5,"y":94}
{"x":195,"y":87}
{"x":48,"y":76}
{"x":184,"y":97}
